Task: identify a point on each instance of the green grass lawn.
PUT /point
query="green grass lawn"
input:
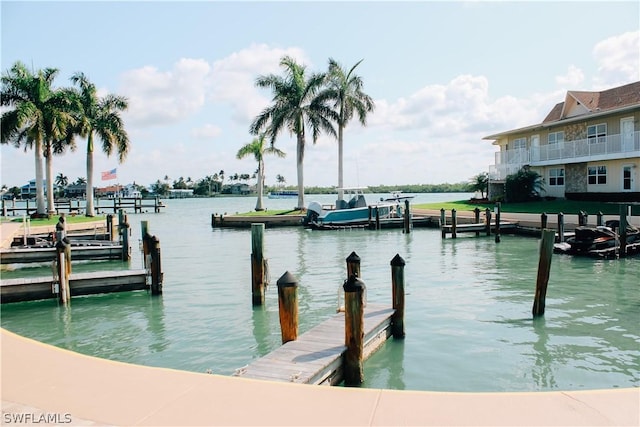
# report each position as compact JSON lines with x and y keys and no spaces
{"x":54,"y":219}
{"x":273,"y":212}
{"x":537,"y":207}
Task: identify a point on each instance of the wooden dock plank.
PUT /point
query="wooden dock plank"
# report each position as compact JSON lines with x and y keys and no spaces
{"x":78,"y":252}
{"x":316,"y":356}
{"x":37,"y":288}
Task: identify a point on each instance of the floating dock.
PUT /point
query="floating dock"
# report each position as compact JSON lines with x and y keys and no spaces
{"x":99,"y":251}
{"x":39,"y":288}
{"x":316,"y":357}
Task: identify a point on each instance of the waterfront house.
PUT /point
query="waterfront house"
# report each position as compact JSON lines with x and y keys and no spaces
{"x":586,"y":148}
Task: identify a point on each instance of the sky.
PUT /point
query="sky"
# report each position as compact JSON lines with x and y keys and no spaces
{"x":443,"y":75}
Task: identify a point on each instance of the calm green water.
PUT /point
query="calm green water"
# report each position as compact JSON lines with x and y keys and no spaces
{"x":468,"y":305}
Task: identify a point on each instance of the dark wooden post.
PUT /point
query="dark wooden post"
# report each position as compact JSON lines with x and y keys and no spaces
{"x":257,"y":263}
{"x":544,"y":266}
{"x":4,"y":208}
{"x":543,"y":221}
{"x":560,"y":227}
{"x":487,"y":214}
{"x":353,"y":330}
{"x":599,"y":220}
{"x":407,"y":217}
{"x":443,"y":223}
{"x":476,"y":216}
{"x":144,"y":230}
{"x":498,"y":206}
{"x":582,"y":218}
{"x":370,"y":223}
{"x":110,"y":229}
{"x":156,"y":266}
{"x":288,"y":306}
{"x":622,"y":231}
{"x":454,"y":223}
{"x":353,"y":269}
{"x":63,"y":257}
{"x":397,"y":294}
{"x":377,"y":218}
{"x":123,"y":226}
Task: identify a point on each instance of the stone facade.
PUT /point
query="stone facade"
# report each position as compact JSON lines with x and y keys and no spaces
{"x":575,"y":180}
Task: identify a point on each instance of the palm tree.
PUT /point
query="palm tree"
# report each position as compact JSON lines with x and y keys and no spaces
{"x":344,"y":89}
{"x":280,"y":179}
{"x":81,"y":180}
{"x":295,"y":104}
{"x":40,"y":119}
{"x":257,"y":149}
{"x":99,"y":117}
{"x":480,"y":183}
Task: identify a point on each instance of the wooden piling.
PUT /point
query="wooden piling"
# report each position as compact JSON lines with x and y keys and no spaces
{"x":443,"y":222}
{"x":544,"y":266}
{"x":498,"y":206}
{"x":123,"y":226}
{"x":144,"y":231}
{"x":407,"y":218}
{"x":560,"y":227}
{"x":353,"y":265}
{"x":354,"y":331}
{"x":476,"y":216}
{"x":622,"y":231}
{"x":487,"y":217}
{"x":600,"y":218}
{"x":543,"y":221}
{"x":156,"y":265}
{"x":288,"y":306}
{"x":110,"y":229}
{"x":454,"y":223}
{"x":257,"y":264}
{"x":63,"y":257}
{"x":377,"y":218}
{"x":397,"y":294}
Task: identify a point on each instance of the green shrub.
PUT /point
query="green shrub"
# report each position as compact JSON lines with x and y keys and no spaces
{"x":523,"y":186}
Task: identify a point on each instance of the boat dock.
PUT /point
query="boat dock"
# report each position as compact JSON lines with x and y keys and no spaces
{"x":39,"y":288}
{"x":316,"y":357}
{"x":99,"y":250}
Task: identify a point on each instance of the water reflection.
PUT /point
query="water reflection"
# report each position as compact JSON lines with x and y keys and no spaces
{"x":542,"y":372}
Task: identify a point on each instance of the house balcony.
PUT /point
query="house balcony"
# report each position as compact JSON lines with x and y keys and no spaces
{"x":610,"y":147}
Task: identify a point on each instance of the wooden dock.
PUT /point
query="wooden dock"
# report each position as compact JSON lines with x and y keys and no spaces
{"x":316,"y":357}
{"x":99,"y":251}
{"x":477,"y":227}
{"x":39,"y":288}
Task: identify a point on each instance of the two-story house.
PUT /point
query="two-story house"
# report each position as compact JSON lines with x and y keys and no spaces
{"x":587,"y":148}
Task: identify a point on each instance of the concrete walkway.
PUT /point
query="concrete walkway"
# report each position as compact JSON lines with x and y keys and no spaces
{"x":41,"y":382}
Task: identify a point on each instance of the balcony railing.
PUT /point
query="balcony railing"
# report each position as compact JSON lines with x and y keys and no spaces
{"x":609,"y":147}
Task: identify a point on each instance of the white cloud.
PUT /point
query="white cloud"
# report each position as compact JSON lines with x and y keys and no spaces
{"x":573,"y":79}
{"x":233,"y":78}
{"x":161,"y":97}
{"x":618,"y":60}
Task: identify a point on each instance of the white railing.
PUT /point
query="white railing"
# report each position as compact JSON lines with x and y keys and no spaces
{"x":510,"y":161}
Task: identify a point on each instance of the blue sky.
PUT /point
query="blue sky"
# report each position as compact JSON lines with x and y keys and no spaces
{"x":443,"y":75}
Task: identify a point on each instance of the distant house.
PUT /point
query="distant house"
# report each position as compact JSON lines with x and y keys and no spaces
{"x":130,"y":190}
{"x":587,"y":148}
{"x":237,"y":188}
{"x":72,"y":191}
{"x":110,"y":191}
{"x":28,"y":191}
{"x":180,"y":193}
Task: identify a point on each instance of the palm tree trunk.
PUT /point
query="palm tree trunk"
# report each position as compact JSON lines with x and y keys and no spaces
{"x":340,"y":170}
{"x":300,"y":160}
{"x":90,"y":210}
{"x":51,"y":209}
{"x":39,"y":180}
{"x":259,"y":206}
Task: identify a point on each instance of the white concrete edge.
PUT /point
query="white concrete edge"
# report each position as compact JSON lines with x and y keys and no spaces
{"x":43,"y":380}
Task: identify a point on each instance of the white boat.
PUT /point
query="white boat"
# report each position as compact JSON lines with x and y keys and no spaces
{"x":354,"y":212}
{"x":283,"y":194}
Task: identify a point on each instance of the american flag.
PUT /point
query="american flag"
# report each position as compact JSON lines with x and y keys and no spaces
{"x":107,"y":175}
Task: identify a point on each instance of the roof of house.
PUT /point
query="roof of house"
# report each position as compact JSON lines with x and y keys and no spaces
{"x":577,"y":104}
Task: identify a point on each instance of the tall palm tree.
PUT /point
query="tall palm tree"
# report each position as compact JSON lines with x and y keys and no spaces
{"x":344,"y":90}
{"x":39,"y":118}
{"x":295,"y":106}
{"x":99,"y":117}
{"x":257,"y":149}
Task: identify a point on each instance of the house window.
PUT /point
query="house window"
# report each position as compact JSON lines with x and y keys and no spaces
{"x":597,"y":175}
{"x":555,"y":138}
{"x":556,"y":177}
{"x":597,"y":133}
{"x":519,"y":143}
